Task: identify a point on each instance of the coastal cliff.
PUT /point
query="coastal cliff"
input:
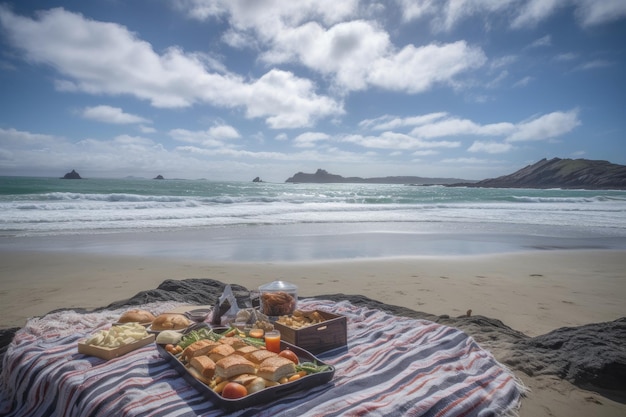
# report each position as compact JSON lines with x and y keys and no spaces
{"x":323,"y":177}
{"x":561,"y":173}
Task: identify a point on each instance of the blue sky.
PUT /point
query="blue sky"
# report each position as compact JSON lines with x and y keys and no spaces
{"x":233,"y":89}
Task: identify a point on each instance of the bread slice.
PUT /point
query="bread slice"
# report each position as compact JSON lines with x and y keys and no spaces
{"x":260,"y":355}
{"x":204,"y":365}
{"x":275,"y":368}
{"x":200,"y":347}
{"x":220,"y":351}
{"x":245,"y":350}
{"x":233,"y":365}
{"x":170,"y":321}
{"x":235,"y":342}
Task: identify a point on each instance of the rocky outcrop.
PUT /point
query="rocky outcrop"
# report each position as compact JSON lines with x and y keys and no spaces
{"x":72,"y":176}
{"x":592,"y":357}
{"x":159,"y":177}
{"x":562,"y":173}
{"x":324,"y":177}
{"x":257,"y":179}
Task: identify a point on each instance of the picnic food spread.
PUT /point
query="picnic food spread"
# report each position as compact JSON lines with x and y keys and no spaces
{"x":233,"y":365}
{"x":169,"y":384}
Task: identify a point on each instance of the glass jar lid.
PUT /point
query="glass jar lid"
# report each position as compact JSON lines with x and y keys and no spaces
{"x":279,"y":286}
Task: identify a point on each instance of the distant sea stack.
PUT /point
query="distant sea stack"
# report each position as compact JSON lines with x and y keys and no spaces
{"x":324,"y":177}
{"x":159,"y":177}
{"x":257,"y":179}
{"x":562,"y":173}
{"x":72,"y":176}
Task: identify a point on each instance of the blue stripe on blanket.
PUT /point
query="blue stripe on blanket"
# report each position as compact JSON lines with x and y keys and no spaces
{"x":393,"y":366}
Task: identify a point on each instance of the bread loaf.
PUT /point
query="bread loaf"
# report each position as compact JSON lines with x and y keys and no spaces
{"x":170,"y":321}
{"x":204,"y":365}
{"x":274,"y":368}
{"x":233,"y":365}
{"x":136,"y":316}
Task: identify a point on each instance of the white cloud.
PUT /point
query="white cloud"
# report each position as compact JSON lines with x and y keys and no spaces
{"x":447,"y":14}
{"x":523,"y":82}
{"x":329,"y":38}
{"x":417,"y":69}
{"x":534,"y":11}
{"x":596,"y":12}
{"x":389,"y":122}
{"x":541,"y":42}
{"x":392,"y":140}
{"x":442,"y":125}
{"x":453,"y":126}
{"x":216,"y":136}
{"x":490,"y":147}
{"x":114,"y":115}
{"x":544,"y":127}
{"x":105,"y":58}
{"x":595,"y":64}
{"x":309,"y":139}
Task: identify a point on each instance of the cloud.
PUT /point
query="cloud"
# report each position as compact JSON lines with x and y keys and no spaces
{"x":490,"y":147}
{"x":445,"y":15}
{"x":541,"y":42}
{"x":328,"y":37}
{"x":105,"y":58}
{"x":359,"y":54}
{"x":523,"y":82}
{"x":114,"y":115}
{"x":389,"y":122}
{"x":216,"y":136}
{"x":440,"y":125}
{"x":595,"y":64}
{"x":309,"y":139}
{"x":396,"y":141}
{"x":544,"y":127}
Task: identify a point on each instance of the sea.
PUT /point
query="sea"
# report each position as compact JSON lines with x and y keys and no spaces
{"x":238,"y":221}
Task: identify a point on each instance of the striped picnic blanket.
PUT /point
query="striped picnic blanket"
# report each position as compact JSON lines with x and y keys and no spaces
{"x":393,"y":366}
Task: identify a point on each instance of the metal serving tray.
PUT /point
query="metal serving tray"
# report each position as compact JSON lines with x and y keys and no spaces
{"x":266,"y":395}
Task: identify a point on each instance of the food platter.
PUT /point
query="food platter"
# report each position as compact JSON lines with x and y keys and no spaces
{"x":263,"y":396}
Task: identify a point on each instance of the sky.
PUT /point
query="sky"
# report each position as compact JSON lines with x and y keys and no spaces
{"x":235,"y":89}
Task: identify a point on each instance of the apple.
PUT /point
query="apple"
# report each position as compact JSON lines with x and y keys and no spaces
{"x":288,"y":354}
{"x":233,"y":390}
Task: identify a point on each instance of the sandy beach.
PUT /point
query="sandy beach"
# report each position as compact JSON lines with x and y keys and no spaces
{"x":532,"y":292}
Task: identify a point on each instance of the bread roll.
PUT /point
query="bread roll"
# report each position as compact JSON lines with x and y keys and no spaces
{"x":198,"y":348}
{"x":204,"y":365}
{"x":170,"y":321}
{"x":220,"y":351}
{"x":233,"y":365}
{"x":260,"y":355}
{"x":136,"y":316}
{"x":275,"y":368}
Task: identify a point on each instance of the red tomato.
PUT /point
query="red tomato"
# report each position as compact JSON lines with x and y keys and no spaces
{"x":288,"y":354}
{"x":233,"y":390}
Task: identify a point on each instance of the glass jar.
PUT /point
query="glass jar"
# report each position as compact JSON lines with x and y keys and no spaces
{"x":278,"y":298}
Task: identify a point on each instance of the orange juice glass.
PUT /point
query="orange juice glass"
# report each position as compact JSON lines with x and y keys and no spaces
{"x":272,"y":341}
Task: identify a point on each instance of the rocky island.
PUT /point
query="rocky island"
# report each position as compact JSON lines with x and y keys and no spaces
{"x":324,"y":177}
{"x":72,"y":176}
{"x":562,"y":173}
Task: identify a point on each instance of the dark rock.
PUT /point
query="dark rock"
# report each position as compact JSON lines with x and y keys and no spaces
{"x":562,"y":173}
{"x":593,"y":356}
{"x":324,"y":177}
{"x":72,"y":176}
{"x":257,"y":179}
{"x":159,"y":177}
